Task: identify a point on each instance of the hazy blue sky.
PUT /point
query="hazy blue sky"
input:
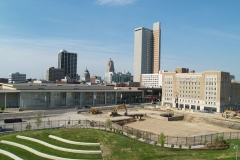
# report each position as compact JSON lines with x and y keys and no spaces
{"x":198,"y":34}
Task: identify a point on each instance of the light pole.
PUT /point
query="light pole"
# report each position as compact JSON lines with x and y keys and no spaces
{"x":121,"y":99}
{"x":236,"y":147}
{"x":159,"y":97}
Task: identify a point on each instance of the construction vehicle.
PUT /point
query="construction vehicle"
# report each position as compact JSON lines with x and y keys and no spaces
{"x":230,"y":114}
{"x":93,"y":111}
{"x":115,"y":111}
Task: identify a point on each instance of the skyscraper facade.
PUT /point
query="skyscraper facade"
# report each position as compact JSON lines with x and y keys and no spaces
{"x":147,"y":51}
{"x":53,"y":74}
{"x":68,"y":62}
{"x":110,"y":66}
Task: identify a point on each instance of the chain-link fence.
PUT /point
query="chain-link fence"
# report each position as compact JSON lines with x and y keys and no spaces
{"x":128,"y":131}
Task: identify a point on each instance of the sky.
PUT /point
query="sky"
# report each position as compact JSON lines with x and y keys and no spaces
{"x":199,"y":35}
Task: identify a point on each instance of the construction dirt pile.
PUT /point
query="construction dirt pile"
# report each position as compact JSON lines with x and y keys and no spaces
{"x":212,"y":119}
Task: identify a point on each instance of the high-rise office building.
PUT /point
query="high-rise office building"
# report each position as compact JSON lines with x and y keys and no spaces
{"x":68,"y":62}
{"x":147,"y":51}
{"x":53,"y":74}
{"x":110,"y":66}
{"x":16,"y":78}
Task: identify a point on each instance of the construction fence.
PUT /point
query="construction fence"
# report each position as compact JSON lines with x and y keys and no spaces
{"x":127,"y":131}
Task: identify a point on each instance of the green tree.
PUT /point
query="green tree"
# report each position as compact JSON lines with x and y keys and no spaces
{"x":2,"y":108}
{"x":161,"y":139}
{"x":48,"y":122}
{"x":108,"y":124}
{"x":38,"y":121}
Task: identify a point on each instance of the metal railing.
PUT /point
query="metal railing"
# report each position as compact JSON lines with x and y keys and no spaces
{"x":148,"y":137}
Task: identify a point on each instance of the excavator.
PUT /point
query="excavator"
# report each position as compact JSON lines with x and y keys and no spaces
{"x":93,"y":111}
{"x":115,"y":113}
{"x":230,"y":114}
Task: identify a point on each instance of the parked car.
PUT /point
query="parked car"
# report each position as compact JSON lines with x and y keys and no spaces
{"x":83,"y":109}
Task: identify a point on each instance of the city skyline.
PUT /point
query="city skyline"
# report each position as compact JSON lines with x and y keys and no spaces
{"x":200,"y":35}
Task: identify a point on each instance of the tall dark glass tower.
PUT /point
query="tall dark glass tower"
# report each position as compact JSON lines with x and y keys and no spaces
{"x":68,"y":62}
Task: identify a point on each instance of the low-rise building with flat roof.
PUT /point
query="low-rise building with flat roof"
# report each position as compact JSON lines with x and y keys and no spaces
{"x":46,"y":96}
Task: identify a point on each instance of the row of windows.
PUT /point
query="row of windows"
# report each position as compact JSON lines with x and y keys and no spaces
{"x":189,"y":79}
{"x":212,"y":103}
{"x":211,"y":79}
{"x":211,"y":93}
{"x":210,"y":88}
{"x":212,"y":98}
{"x":185,"y":100}
{"x":189,"y":96}
{"x":168,"y":99}
{"x":189,"y":91}
{"x":189,"y":87}
{"x":190,"y":83}
{"x":211,"y":83}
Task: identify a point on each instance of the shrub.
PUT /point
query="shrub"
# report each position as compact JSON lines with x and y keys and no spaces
{"x":29,"y":126}
{"x":205,"y":141}
{"x":221,"y":138}
{"x":69,"y":121}
{"x":79,"y":121}
{"x":216,"y":140}
{"x":146,"y":136}
{"x":180,"y":146}
{"x":155,"y":143}
{"x":130,"y":132}
{"x":189,"y":146}
{"x":138,"y":134}
{"x":92,"y":123}
{"x":172,"y":145}
{"x":2,"y":108}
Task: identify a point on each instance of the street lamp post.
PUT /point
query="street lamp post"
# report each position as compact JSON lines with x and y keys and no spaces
{"x":159,"y":97}
{"x":236,"y":147}
{"x":121,"y":99}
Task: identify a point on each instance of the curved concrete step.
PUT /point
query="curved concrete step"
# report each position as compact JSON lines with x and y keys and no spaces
{"x":9,"y":154}
{"x":61,"y":148}
{"x":73,"y":142}
{"x":35,"y":151}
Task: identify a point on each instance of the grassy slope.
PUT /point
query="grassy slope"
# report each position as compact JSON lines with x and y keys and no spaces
{"x":115,"y":146}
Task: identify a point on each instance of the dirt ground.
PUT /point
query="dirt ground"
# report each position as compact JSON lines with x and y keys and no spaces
{"x":177,"y":128}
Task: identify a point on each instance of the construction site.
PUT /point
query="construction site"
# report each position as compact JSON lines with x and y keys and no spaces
{"x":157,"y":119}
{"x":144,"y":122}
{"x":151,"y":119}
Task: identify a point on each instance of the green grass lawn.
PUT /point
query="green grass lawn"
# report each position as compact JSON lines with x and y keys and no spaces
{"x":114,"y":146}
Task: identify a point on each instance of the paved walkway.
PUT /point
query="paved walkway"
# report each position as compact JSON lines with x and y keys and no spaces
{"x":10,"y":155}
{"x":35,"y":151}
{"x":61,"y":148}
